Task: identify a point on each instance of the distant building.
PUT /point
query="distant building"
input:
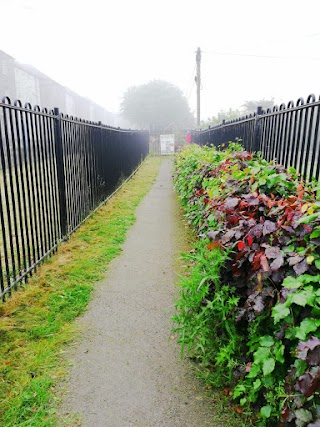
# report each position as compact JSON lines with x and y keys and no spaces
{"x":26,"y":83}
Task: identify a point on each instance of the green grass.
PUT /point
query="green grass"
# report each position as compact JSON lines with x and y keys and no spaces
{"x":36,"y":324}
{"x":225,"y":414}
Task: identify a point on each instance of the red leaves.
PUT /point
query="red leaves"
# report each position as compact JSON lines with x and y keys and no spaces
{"x":246,"y":155}
{"x":300,"y":190}
{"x":260,"y":261}
{"x":270,"y":203}
{"x":249,"y":240}
{"x":257,"y":226}
{"x":214,"y":245}
{"x":309,"y":382}
{"x":286,"y":415}
{"x":233,"y":220}
{"x":241,"y":246}
{"x":300,"y":195}
{"x":307,"y":228}
{"x":199,"y":192}
{"x":256,"y":264}
{"x":264,"y":263}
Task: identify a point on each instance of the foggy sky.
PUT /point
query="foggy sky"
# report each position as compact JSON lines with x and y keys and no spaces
{"x":251,"y":50}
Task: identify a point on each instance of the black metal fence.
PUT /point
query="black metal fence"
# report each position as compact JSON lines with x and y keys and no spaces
{"x":288,"y":135}
{"x":55,"y":170}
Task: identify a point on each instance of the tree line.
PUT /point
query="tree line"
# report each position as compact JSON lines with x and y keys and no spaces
{"x":160,"y":102}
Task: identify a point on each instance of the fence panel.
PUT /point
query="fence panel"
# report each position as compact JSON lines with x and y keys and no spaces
{"x":54,"y":171}
{"x":28,"y":197}
{"x":96,"y":160}
{"x":288,"y":135}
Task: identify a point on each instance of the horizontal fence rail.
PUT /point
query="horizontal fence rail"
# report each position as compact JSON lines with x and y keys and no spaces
{"x":288,"y":135}
{"x":54,"y":171}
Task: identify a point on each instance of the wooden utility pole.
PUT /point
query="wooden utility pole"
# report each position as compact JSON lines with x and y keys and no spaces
{"x":198,"y":81}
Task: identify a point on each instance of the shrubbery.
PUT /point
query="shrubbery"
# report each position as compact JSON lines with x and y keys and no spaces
{"x":249,"y":309}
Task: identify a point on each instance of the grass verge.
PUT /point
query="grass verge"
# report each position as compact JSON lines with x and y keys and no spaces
{"x":36,"y":324}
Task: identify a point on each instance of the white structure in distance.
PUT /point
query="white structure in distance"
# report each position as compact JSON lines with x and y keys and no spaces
{"x":167,"y":144}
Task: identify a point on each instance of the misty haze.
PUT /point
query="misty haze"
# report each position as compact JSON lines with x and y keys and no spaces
{"x":160,"y":214}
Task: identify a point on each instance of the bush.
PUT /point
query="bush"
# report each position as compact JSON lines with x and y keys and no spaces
{"x":249,"y":309}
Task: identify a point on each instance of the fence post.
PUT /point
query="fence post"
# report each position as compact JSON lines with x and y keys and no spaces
{"x":60,"y":174}
{"x":257,"y":128}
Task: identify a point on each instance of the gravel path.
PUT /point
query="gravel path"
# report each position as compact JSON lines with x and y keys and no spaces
{"x":127,"y":372}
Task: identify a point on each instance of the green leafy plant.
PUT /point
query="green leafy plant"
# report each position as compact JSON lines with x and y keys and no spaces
{"x":250,"y":327}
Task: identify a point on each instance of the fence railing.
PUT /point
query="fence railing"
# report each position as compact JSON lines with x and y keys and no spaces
{"x":54,"y":171}
{"x":288,"y":135}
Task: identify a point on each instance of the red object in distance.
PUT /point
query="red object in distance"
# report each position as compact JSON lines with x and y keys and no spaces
{"x":188,"y":137}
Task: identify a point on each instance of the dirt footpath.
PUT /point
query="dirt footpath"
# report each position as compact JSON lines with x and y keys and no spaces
{"x":127,"y":372}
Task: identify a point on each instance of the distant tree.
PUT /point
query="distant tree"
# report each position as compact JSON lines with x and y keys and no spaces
{"x":222,"y":115}
{"x":251,"y":106}
{"x":156,"y":102}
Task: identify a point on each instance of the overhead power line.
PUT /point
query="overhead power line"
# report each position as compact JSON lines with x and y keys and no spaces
{"x":261,"y":56}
